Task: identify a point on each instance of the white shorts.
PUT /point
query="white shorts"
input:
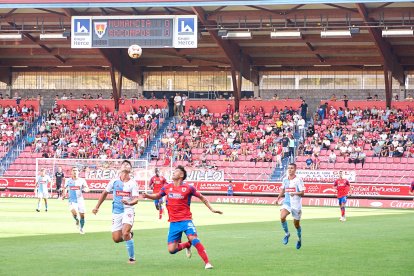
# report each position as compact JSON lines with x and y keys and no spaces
{"x":79,"y":206}
{"x":42,"y":195}
{"x":127,"y":217}
{"x":296,"y":213}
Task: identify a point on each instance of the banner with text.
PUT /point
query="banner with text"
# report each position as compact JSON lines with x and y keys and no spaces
{"x":314,"y":189}
{"x":324,"y":176}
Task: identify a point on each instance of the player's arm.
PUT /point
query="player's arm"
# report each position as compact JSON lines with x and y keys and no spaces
{"x":281,"y":194}
{"x":101,"y":199}
{"x":85,"y":186}
{"x":207,"y":203}
{"x":151,"y":184}
{"x":153,"y":196}
{"x":103,"y":196}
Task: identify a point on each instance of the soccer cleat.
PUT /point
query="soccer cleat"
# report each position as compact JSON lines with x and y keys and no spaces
{"x":81,"y":231}
{"x":299,"y":244}
{"x":131,"y":261}
{"x":342,"y":219}
{"x":77,"y":222}
{"x":37,"y":210}
{"x":208,"y":266}
{"x":286,"y":239}
{"x":188,"y":252}
{"x":45,"y":210}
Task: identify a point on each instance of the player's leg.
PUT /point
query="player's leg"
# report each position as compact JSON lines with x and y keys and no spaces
{"x":39,"y":198}
{"x":191,"y":233}
{"x":45,"y":199}
{"x":81,"y":211}
{"x":156,"y":203}
{"x":160,"y":208}
{"x":127,"y":223}
{"x":342,"y":206}
{"x":73,"y":207}
{"x":297,"y":214}
{"x":284,"y":212}
{"x":117,"y":228}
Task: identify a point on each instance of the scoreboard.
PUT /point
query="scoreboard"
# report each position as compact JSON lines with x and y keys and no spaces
{"x":123,"y":31}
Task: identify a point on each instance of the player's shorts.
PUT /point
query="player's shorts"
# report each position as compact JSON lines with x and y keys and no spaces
{"x":177,"y":229}
{"x":158,"y":201}
{"x":78,"y":206}
{"x":342,"y":200}
{"x":42,"y":195}
{"x":296,"y":213}
{"x":118,"y":220}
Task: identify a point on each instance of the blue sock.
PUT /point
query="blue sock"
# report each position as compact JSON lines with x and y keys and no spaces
{"x":299,"y":230}
{"x":130,"y":248}
{"x":46,"y":206}
{"x":285,"y":227}
{"x":82,"y":222}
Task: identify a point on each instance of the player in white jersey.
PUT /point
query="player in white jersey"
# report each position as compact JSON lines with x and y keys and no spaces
{"x":74,"y":187}
{"x":125,"y":196}
{"x":293,"y":189}
{"x":43,"y":183}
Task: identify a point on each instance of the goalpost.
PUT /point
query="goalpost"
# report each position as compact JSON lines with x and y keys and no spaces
{"x":97,"y":172}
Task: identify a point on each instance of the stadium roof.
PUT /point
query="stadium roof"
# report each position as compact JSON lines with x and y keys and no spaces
{"x":366,"y":48}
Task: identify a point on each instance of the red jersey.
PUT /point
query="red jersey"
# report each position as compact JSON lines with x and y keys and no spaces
{"x":342,"y":185}
{"x":156,"y":183}
{"x":178,"y":201}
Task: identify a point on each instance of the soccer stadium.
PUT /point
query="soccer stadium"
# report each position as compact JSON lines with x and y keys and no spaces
{"x":195,"y":137}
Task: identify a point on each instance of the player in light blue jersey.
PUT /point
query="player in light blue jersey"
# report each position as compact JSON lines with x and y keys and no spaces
{"x":125,"y":196}
{"x":293,"y":189}
{"x":43,"y":183}
{"x":73,"y":191}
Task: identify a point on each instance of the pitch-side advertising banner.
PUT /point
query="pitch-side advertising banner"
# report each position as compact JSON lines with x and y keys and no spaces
{"x":397,"y":204}
{"x":324,"y":176}
{"x":253,"y":188}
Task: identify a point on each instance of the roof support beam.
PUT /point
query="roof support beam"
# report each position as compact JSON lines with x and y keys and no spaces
{"x":390,"y":59}
{"x":119,"y":59}
{"x":239,"y":61}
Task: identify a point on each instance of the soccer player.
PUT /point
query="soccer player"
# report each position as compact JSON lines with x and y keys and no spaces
{"x":43,"y":183}
{"x":125,"y":196}
{"x":74,"y":187}
{"x":342,"y":187}
{"x":293,"y":190}
{"x":178,"y":205}
{"x":412,"y":189}
{"x":156,"y":183}
{"x":59,"y":176}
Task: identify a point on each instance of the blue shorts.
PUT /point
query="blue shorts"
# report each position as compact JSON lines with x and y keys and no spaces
{"x":342,"y":200}
{"x":177,"y":229}
{"x":158,"y":201}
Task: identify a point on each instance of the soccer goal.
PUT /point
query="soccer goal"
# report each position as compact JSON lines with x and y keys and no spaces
{"x":97,"y":172}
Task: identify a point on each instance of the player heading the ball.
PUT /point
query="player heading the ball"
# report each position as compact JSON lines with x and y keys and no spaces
{"x":178,"y":205}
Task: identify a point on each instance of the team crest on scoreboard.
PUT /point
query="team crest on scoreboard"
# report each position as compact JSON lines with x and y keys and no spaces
{"x":100,"y":28}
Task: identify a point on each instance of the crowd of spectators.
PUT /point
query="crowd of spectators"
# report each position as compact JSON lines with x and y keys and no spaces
{"x":257,"y":136}
{"x":357,"y":133}
{"x":95,"y":133}
{"x":13,"y":121}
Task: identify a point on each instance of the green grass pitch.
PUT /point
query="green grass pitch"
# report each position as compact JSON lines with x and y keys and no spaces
{"x":246,"y":240}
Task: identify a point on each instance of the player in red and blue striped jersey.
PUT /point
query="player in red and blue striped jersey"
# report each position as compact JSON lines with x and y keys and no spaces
{"x":343,"y":188}
{"x":178,"y":205}
{"x":156,"y":183}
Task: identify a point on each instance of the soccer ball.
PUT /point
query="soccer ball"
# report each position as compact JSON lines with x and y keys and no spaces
{"x":134,"y":51}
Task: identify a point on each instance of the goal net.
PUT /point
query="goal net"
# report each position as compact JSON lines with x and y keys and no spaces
{"x":97,"y":172}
